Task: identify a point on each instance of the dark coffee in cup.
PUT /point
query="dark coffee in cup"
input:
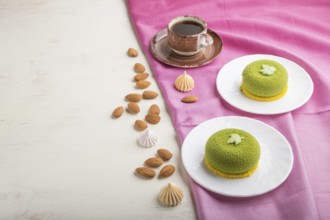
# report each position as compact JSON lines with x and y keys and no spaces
{"x":187,"y":28}
{"x":187,"y":35}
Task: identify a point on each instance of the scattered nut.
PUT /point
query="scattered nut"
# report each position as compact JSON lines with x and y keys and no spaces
{"x":139,"y":68}
{"x":154,"y":109}
{"x":164,"y":154}
{"x":117,"y":112}
{"x":132,"y":52}
{"x":133,"y":108}
{"x":142,"y":84}
{"x":166,"y":171}
{"x":148,"y":94}
{"x":189,"y":99}
{"x":152,"y":118}
{"x":140,"y":125}
{"x":141,"y":76}
{"x":153,"y":162}
{"x":133,"y":97}
{"x":145,"y":172}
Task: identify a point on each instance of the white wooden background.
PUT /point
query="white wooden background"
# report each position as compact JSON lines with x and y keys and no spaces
{"x":63,"y":69}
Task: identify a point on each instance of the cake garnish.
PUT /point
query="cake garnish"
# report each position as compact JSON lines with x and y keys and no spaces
{"x":235,"y":139}
{"x":267,"y":70}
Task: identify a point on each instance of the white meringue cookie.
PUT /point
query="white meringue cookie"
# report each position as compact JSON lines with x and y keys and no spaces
{"x":148,"y":139}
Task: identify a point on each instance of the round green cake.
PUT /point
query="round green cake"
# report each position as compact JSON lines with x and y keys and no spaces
{"x":232,"y":153}
{"x":264,"y":80}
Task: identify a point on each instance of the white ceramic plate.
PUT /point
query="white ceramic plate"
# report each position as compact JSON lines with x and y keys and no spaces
{"x":229,"y":80}
{"x":275,"y":164}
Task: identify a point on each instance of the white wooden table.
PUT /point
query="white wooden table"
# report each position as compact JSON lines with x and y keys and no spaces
{"x":63,"y":69}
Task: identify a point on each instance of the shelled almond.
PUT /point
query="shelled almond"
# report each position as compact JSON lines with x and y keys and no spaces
{"x":190,"y":99}
{"x":139,"y":68}
{"x":133,"y":97}
{"x":133,"y":108}
{"x":142,"y":84}
{"x":140,"y":125}
{"x":131,"y":52}
{"x":141,"y":76}
{"x":145,"y":172}
{"x":117,"y":112}
{"x":152,"y":118}
{"x":148,"y":94}
{"x":166,"y":171}
{"x":154,"y":109}
{"x":164,"y":154}
{"x":153,"y":162}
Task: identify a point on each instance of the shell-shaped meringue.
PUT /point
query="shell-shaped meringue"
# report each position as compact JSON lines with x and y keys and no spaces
{"x":148,"y":139}
{"x":184,"y":82}
{"x":170,"y":195}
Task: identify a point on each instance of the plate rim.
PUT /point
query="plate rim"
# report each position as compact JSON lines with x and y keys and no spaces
{"x":276,"y":58}
{"x":155,"y":54}
{"x":281,"y":180}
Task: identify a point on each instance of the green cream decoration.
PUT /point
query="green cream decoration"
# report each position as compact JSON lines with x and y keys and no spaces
{"x":267,"y":70}
{"x":235,"y":139}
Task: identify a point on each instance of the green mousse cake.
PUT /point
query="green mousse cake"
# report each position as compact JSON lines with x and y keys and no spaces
{"x":232,"y":153}
{"x":264,"y":80}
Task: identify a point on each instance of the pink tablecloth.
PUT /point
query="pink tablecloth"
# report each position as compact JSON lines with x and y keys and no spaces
{"x":296,"y":30}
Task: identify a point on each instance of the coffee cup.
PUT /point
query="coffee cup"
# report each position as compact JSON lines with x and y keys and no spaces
{"x":187,"y":35}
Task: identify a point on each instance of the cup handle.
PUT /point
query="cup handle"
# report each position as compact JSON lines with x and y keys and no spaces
{"x":206,"y":40}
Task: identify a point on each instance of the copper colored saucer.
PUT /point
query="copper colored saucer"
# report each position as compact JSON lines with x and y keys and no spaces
{"x":163,"y":53}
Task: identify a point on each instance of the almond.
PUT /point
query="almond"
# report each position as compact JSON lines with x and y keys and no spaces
{"x":166,"y":171}
{"x":133,"y":108}
{"x":141,"y":76}
{"x":145,"y":172}
{"x":142,"y":84}
{"x":153,"y":162}
{"x":152,"y":118}
{"x":139,"y":68}
{"x":148,"y":94}
{"x":132,"y":52}
{"x":164,"y":154}
{"x":117,"y":112}
{"x":154,"y":109}
{"x":189,"y":99}
{"x":133,"y":97}
{"x":140,"y":125}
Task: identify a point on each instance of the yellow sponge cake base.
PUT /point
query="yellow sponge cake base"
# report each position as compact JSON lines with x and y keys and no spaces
{"x":229,"y":175}
{"x":263,"y":99}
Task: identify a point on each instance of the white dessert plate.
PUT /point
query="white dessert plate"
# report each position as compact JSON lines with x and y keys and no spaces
{"x":275,"y":164}
{"x":229,"y":80}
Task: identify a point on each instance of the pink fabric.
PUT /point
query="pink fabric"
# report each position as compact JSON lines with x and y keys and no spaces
{"x":297,"y":30}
